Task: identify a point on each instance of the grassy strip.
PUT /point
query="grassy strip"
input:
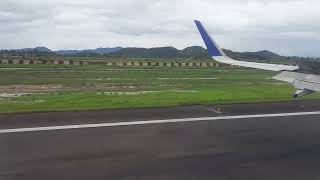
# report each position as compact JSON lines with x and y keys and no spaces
{"x":95,"y":101}
{"x":197,"y":86}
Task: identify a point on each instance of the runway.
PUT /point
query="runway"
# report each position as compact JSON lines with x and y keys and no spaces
{"x":282,"y":146}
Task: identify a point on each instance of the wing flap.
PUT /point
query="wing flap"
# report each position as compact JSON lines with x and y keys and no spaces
{"x":306,"y":85}
{"x":297,"y":76}
{"x":300,"y":80}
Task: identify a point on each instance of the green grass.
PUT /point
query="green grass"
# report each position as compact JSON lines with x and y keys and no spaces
{"x":169,"y":86}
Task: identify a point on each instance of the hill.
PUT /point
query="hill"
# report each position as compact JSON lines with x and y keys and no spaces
{"x":160,"y":52}
{"x":100,"y":51}
{"x":195,"y":52}
{"x":37,"y":49}
{"x":255,"y":56}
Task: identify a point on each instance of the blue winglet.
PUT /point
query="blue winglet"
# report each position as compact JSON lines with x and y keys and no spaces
{"x":213,"y":50}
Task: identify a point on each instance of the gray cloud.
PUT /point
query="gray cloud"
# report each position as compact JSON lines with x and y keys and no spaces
{"x":289,"y":27}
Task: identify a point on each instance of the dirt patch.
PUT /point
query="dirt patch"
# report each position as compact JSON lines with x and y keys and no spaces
{"x":21,"y":89}
{"x":144,"y":92}
{"x":18,"y":90}
{"x":8,"y":95}
{"x":196,"y":78}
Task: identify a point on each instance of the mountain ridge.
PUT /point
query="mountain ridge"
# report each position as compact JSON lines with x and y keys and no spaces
{"x":42,"y":49}
{"x":100,"y":51}
{"x":168,"y":52}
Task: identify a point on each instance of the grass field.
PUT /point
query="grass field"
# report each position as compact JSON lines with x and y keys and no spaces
{"x":65,"y":88}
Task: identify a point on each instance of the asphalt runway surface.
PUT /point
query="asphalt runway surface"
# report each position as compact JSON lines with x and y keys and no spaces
{"x":265,"y":147}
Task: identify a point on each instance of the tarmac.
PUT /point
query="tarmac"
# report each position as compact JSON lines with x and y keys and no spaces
{"x":269,"y":141}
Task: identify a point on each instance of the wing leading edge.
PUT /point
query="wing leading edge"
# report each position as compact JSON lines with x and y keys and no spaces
{"x":216,"y":53}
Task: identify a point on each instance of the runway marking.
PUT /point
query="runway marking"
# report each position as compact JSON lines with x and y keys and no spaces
{"x":218,"y":111}
{"x":133,"y":123}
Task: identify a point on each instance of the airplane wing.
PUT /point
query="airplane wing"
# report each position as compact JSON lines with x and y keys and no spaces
{"x":216,"y":53}
{"x":305,"y":83}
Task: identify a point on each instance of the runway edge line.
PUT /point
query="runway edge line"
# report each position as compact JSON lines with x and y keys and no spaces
{"x":134,"y":123}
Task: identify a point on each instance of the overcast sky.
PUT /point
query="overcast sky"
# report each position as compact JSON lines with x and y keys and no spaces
{"x":288,"y":27}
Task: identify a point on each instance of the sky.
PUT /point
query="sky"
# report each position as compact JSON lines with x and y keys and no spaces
{"x":287,"y":27}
